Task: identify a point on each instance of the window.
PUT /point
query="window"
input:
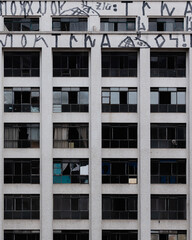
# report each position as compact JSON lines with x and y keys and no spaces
{"x":168,"y":207}
{"x":168,"y":171}
{"x":21,"y":235}
{"x":119,"y":235}
{"x":166,"y":24}
{"x":69,"y":24}
{"x":169,"y":235}
{"x":168,"y":64}
{"x":117,"y":24}
{"x":168,"y":99}
{"x":21,"y":64}
{"x":21,"y":24}
{"x":70,"y":235}
{"x":164,"y":135}
{"x":71,"y":99}
{"x":72,"y":206}
{"x":21,"y":99}
{"x":70,"y":64}
{"x":70,"y":171}
{"x":70,"y":135}
{"x":21,"y":170}
{"x":21,"y":135}
{"x":119,"y":64}
{"x":117,"y":99}
{"x":18,"y":206}
{"x":119,"y":135}
{"x":119,"y":206}
{"x":119,"y":170}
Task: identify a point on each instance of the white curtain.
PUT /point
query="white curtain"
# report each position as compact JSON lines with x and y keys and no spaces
{"x":12,"y":135}
{"x":61,"y":137}
{"x":83,"y":135}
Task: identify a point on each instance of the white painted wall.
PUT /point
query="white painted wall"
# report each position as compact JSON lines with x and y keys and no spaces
{"x":143,"y":118}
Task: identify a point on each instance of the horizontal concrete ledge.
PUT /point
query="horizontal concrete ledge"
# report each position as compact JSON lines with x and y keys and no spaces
{"x":21,"y":224}
{"x":70,"y":224}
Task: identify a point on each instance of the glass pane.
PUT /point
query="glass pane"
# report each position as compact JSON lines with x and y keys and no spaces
{"x":115,"y":98}
{"x":132,"y":97}
{"x":154,"y":97}
{"x":180,"y":97}
{"x":83,"y":98}
{"x":56,"y":97}
{"x":84,"y":170}
{"x":173,"y":98}
{"x":8,"y":97}
{"x":65,"y":99}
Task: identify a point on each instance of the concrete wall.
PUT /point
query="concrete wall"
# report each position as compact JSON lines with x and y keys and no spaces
{"x":141,"y":41}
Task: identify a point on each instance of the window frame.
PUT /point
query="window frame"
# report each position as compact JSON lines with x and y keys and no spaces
{"x":22,"y":106}
{"x":15,"y":63}
{"x":14,"y":213}
{"x":15,"y":177}
{"x":71,"y":64}
{"x":65,"y":140}
{"x":60,"y":178}
{"x":21,"y":21}
{"x":169,"y":233}
{"x":173,"y":178}
{"x":168,"y":107}
{"x":165,"y":21}
{"x":167,"y":64}
{"x":112,"y":24}
{"x":161,"y":133}
{"x":27,"y":233}
{"x":69,"y":24}
{"x":111,"y":213}
{"x":165,"y":201}
{"x":71,"y":211}
{"x":119,"y":64}
{"x":127,"y":178}
{"x":106,"y":99}
{"x":70,"y":107}
{"x":12,"y":139}
{"x":110,"y":141}
{"x":119,"y":234}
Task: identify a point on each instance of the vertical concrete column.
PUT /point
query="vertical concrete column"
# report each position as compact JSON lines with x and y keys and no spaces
{"x":2,"y":24}
{"x":95,"y":145}
{"x":46,"y":145}
{"x":45,"y":21}
{"x":1,"y":146}
{"x":144,"y":145}
{"x":189,"y":145}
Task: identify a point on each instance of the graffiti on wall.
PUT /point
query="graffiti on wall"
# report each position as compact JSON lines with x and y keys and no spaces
{"x":125,"y":8}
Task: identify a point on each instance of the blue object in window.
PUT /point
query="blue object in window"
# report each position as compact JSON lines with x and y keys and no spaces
{"x":66,"y":179}
{"x":56,"y":179}
{"x":163,"y":179}
{"x":57,"y":172}
{"x":172,"y":179}
{"x":106,"y":168}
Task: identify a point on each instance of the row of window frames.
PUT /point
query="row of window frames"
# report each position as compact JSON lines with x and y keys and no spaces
{"x":113,"y":171}
{"x":27,"y":99}
{"x":106,"y":24}
{"x":76,"y":135}
{"x":106,"y":234}
{"x":75,"y":64}
{"x":76,"y":206}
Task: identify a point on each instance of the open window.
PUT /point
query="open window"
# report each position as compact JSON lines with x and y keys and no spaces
{"x":70,"y":171}
{"x":72,"y":99}
{"x":119,"y":99}
{"x":168,"y":99}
